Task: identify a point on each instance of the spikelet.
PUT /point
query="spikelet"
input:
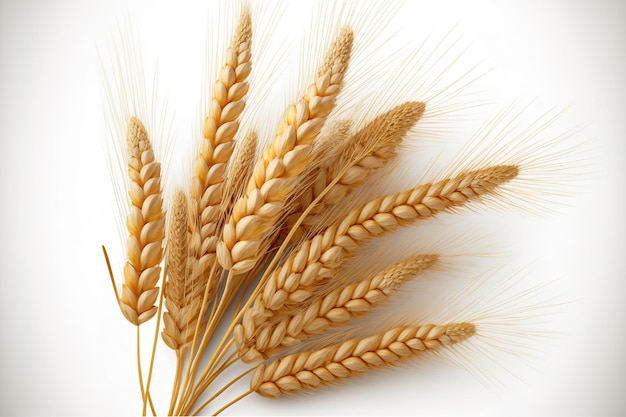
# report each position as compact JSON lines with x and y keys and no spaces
{"x":227,"y":234}
{"x":240,"y":170}
{"x":182,"y":309}
{"x":316,"y":259}
{"x":220,"y":127}
{"x":330,"y":310}
{"x":146,"y":227}
{"x":277,"y":171}
{"x":310,"y":370}
{"x":368,"y":150}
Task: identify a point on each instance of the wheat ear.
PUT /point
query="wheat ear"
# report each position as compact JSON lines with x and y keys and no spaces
{"x":326,"y":151}
{"x":220,"y":126}
{"x":333,"y":309}
{"x":368,"y":150}
{"x":278,"y":170}
{"x":146,"y":227}
{"x":315,"y":260}
{"x":335,"y":363}
{"x":182,"y":310}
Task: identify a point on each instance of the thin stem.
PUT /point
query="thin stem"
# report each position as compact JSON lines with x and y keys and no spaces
{"x":192,"y":393}
{"x":151,"y":404}
{"x":156,"y":338}
{"x":219,"y":355}
{"x":249,"y":279}
{"x":144,"y":395}
{"x":224,"y":345}
{"x":143,"y":392}
{"x":221,"y":349}
{"x":106,"y":259}
{"x":283,"y":246}
{"x":208,"y":377}
{"x":204,"y":383}
{"x":242,"y":396}
{"x":192,"y":366}
{"x":177,"y":378}
{"x":224,"y":388}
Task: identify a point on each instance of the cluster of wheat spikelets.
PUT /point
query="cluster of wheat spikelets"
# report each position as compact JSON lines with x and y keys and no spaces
{"x":255,"y":234}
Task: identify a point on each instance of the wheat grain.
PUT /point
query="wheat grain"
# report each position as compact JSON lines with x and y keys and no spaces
{"x":310,"y":370}
{"x":240,"y":170}
{"x":182,"y":309}
{"x":220,"y":126}
{"x":146,"y":227}
{"x":365,"y":152}
{"x":278,"y":170}
{"x":177,"y":248}
{"x":333,"y":309}
{"x":327,"y":149}
{"x":316,"y":259}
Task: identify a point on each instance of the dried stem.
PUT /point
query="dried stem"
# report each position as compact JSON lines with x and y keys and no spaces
{"x":108,"y":262}
{"x":276,"y":173}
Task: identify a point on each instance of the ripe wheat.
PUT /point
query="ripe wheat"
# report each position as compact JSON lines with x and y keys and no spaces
{"x":316,"y":259}
{"x":269,"y":237}
{"x":364,"y":153}
{"x":220,"y":127}
{"x":333,"y":309}
{"x":309,"y":370}
{"x":182,"y":307}
{"x":146,"y":225}
{"x":276,"y":173}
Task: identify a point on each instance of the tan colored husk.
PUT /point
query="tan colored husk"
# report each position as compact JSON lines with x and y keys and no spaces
{"x":240,"y":170}
{"x":330,"y":310}
{"x":146,"y":227}
{"x":315,"y":260}
{"x":327,"y":150}
{"x":220,"y":126}
{"x":333,"y":364}
{"x":365,"y":152}
{"x":182,"y":310}
{"x":277,"y":171}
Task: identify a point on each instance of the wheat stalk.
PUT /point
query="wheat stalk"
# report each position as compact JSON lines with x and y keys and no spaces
{"x":310,"y":370}
{"x":220,"y":126}
{"x":277,"y":171}
{"x":268,"y":238}
{"x":182,"y":309}
{"x":316,"y":259}
{"x":366,"y":151}
{"x":146,"y":227}
{"x":240,"y":170}
{"x":339,"y":306}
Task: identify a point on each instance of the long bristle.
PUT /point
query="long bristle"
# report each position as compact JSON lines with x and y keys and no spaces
{"x":311,"y":234}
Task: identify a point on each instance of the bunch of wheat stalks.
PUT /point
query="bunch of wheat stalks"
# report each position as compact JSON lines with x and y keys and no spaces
{"x":264,"y":237}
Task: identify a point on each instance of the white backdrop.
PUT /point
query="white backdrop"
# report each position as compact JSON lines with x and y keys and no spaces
{"x":66,"y":349}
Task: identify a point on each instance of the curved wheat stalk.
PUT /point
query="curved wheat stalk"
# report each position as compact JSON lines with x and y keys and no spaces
{"x":220,"y":126}
{"x":315,"y":260}
{"x":366,"y":151}
{"x":182,"y":310}
{"x":146,"y":227}
{"x":331,"y":310}
{"x":278,"y":170}
{"x":310,"y":370}
{"x":240,"y":170}
{"x":327,"y":151}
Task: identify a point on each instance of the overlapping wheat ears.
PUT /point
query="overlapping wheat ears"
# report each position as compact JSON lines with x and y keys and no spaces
{"x":267,"y":236}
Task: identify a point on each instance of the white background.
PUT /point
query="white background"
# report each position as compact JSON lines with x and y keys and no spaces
{"x":67,"y":351}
